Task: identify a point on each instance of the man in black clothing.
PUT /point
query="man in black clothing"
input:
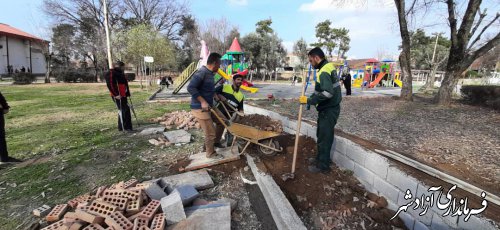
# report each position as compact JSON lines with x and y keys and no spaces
{"x":119,"y":90}
{"x":346,"y":79}
{"x":4,"y":155}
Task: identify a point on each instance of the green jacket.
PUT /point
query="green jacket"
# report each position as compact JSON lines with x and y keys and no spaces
{"x":327,"y":88}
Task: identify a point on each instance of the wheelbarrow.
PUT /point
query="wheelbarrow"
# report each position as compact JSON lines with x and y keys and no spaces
{"x":246,"y":135}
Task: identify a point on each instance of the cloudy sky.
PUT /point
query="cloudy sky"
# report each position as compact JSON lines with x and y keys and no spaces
{"x":372,"y":23}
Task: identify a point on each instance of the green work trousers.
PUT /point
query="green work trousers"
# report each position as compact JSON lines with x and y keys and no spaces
{"x":327,"y":119}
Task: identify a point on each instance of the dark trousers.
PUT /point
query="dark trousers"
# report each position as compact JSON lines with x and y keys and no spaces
{"x":4,"y":156}
{"x":327,"y":119}
{"x":122,"y":105}
{"x":347,"y":85}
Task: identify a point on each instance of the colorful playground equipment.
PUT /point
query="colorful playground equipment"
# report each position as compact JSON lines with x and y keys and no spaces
{"x":232,"y":62}
{"x":376,"y":73}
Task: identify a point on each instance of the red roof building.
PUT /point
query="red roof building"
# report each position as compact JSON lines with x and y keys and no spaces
{"x":21,"y":51}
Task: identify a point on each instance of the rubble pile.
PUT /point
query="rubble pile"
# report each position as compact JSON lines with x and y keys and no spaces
{"x":178,"y":120}
{"x":152,"y":205}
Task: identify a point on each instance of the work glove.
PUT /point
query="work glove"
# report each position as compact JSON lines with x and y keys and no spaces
{"x":303,"y":100}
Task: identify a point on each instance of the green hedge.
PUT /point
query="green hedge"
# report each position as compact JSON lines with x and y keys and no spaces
{"x":74,"y":76}
{"x":23,"y":78}
{"x":488,"y":95}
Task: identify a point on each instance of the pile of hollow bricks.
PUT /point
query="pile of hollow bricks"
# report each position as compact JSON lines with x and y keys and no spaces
{"x":178,"y":120}
{"x":128,"y":205}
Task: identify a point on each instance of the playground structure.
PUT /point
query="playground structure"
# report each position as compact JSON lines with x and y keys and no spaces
{"x":375,"y":73}
{"x":232,"y":62}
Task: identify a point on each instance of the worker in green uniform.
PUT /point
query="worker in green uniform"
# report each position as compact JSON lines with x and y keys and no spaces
{"x":327,"y":99}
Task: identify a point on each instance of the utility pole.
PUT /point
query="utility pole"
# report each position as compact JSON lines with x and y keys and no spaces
{"x":106,"y":27}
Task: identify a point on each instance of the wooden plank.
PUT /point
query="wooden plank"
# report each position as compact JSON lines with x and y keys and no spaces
{"x":200,"y":160}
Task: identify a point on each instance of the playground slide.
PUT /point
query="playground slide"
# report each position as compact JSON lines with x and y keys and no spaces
{"x":357,"y":82}
{"x":249,"y":89}
{"x":377,"y":80}
{"x":399,"y":83}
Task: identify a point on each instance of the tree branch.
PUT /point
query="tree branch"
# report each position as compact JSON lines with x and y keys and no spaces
{"x":481,"y":17}
{"x":482,"y":31}
{"x":485,"y":48}
{"x":466,"y":25}
{"x":453,"y":22}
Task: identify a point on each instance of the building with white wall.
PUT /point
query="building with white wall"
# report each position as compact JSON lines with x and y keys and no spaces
{"x":20,"y":49}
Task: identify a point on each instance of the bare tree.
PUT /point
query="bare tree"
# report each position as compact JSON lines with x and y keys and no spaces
{"x":164,"y":15}
{"x":215,"y":32}
{"x":464,"y":50}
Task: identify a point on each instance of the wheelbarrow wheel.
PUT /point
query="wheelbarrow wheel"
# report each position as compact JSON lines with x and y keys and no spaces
{"x":267,"y":151}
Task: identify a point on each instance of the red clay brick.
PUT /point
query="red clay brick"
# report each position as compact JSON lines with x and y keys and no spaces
{"x":131,"y":195}
{"x":134,"y":206}
{"x":150,"y":209}
{"x":118,"y":221}
{"x":158,"y":222}
{"x":119,"y":202}
{"x":139,"y":222}
{"x":89,"y":218}
{"x":142,"y":185}
{"x":57,"y":213}
{"x":76,"y":226}
{"x":72,"y":203}
{"x":101,"y":208}
{"x":100,"y":190}
{"x":93,"y":227}
{"x":130,"y":183}
{"x":54,"y":226}
{"x":144,"y":228}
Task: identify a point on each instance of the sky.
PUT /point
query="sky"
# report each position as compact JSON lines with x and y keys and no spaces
{"x":373,"y":25}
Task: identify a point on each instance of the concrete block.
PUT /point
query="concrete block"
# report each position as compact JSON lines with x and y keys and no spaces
{"x":282,"y":211}
{"x":117,"y":220}
{"x":173,"y":209}
{"x":377,"y":164}
{"x":41,"y":211}
{"x":150,"y":210}
{"x":207,"y":217}
{"x":355,"y":152}
{"x":57,"y":213}
{"x":385,"y":189}
{"x":151,"y":131}
{"x":158,"y":222}
{"x":155,"y":191}
{"x":343,"y":161}
{"x":199,"y":179}
{"x":401,"y":180}
{"x":420,"y":226}
{"x":443,"y":223}
{"x":407,"y":219}
{"x":233,"y":203}
{"x":475,"y":222}
{"x":341,"y":145}
{"x":178,"y":136}
{"x":288,"y":130}
{"x":364,"y":175}
{"x":188,"y":193}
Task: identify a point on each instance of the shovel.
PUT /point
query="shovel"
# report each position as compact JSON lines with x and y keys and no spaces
{"x":291,"y":175}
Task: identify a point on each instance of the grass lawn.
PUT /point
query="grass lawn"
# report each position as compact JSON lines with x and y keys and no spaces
{"x":67,"y":136}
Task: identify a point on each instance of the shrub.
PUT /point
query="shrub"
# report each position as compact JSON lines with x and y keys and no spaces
{"x":482,"y":95}
{"x":23,"y":78}
{"x":73,"y":76}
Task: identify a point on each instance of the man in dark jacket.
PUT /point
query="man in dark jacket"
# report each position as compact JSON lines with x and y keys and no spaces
{"x":326,"y":98}
{"x":201,"y":88}
{"x":346,"y":79}
{"x":118,"y":88}
{"x":4,"y":155}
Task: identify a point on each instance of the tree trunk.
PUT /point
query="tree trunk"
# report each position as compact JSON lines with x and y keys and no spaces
{"x":429,"y":84}
{"x":404,"y":58}
{"x":449,"y":82}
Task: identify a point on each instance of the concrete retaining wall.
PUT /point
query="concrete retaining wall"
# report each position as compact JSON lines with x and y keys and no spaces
{"x":380,"y":176}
